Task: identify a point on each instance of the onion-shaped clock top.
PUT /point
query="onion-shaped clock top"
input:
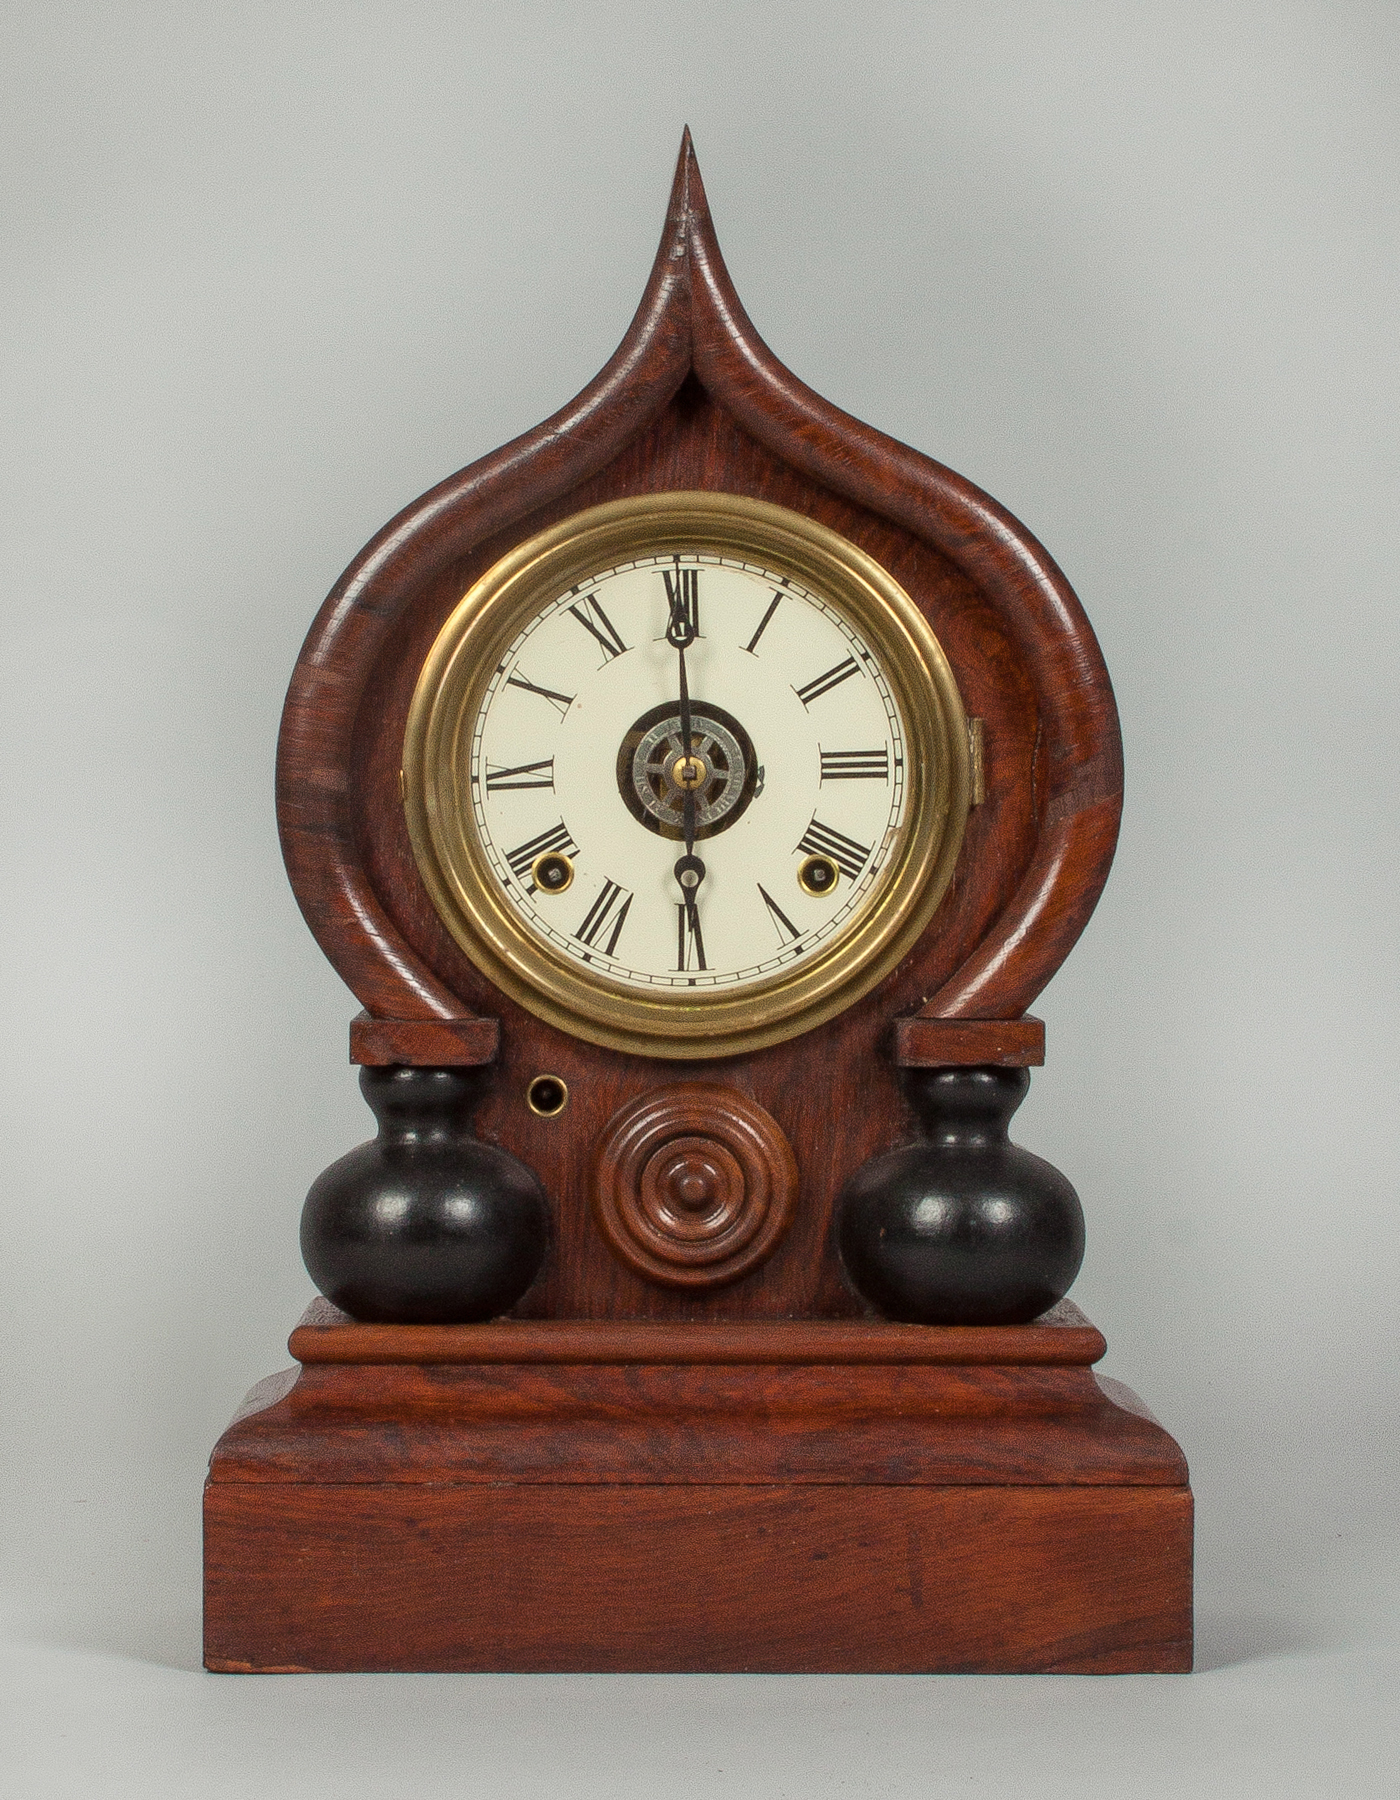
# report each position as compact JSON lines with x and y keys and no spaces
{"x":515,"y":640}
{"x":686,"y":774}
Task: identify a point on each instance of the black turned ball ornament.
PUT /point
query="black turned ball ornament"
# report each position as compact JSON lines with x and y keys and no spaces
{"x":426,"y":1225}
{"x":965,"y":1228}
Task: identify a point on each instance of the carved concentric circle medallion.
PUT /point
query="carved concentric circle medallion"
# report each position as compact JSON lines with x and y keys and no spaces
{"x":694,"y":1185}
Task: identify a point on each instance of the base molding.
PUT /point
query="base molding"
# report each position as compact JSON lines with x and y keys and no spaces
{"x":779,"y":1515}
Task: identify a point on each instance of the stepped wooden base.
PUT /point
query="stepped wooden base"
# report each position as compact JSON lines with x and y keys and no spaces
{"x":766,"y":1497}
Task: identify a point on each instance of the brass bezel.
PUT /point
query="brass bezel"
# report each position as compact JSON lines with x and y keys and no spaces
{"x":459,"y":878}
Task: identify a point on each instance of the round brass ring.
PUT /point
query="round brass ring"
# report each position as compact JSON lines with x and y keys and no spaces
{"x":547,"y":1096}
{"x":817,"y":875}
{"x":684,"y":1023}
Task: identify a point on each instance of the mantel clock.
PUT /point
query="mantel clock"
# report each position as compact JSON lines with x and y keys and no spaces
{"x":696,"y":793}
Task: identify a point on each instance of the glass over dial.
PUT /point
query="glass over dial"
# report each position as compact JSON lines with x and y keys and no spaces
{"x":686,"y":774}
{"x":687,"y":771}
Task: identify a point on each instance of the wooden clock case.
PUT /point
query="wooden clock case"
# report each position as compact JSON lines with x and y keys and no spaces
{"x":637,"y":1473}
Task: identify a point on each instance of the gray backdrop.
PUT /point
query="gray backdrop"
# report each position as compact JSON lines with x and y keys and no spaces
{"x":273,"y":269}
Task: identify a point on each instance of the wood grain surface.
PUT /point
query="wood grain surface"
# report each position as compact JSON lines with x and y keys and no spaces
{"x":790,"y":1497}
{"x":922,"y":1043}
{"x":423,"y":1043}
{"x":698,"y":1578}
{"x":1061,"y":1337}
{"x":581,"y":1425}
{"x":632,"y":1473}
{"x":694,"y":1185}
{"x":694,"y":399}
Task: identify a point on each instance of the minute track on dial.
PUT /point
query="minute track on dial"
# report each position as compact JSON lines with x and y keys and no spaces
{"x":689,"y":768}
{"x":756,"y":708}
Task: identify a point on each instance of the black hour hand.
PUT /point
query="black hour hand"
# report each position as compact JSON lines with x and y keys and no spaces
{"x":690,"y":951}
{"x":689,"y":872}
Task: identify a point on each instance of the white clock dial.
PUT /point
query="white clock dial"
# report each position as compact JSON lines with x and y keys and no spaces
{"x":673,"y":896}
{"x":575,"y":756}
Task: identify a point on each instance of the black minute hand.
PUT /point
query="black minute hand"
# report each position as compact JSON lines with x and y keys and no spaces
{"x":680,"y":628}
{"x":680,"y":635}
{"x":688,"y":804}
{"x":689,"y":870}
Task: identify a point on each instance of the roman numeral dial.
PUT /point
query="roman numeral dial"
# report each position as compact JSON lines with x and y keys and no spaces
{"x":554,"y":841}
{"x":752,"y":646}
{"x":669,"y":873}
{"x":685,"y":773}
{"x":822,"y":841}
{"x":788,"y":933}
{"x":855,"y":765}
{"x":560,"y":702}
{"x":683,"y":596}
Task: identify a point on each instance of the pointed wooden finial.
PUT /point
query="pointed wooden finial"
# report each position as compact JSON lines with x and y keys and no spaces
{"x":687,"y":203}
{"x":697,"y":205}
{"x":690,"y":326}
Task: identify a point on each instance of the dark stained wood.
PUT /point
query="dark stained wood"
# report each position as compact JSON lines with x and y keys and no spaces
{"x":693,"y":443}
{"x":694,"y":1185}
{"x":982,"y":1499}
{"x":793,"y":1082}
{"x":1079,"y":756}
{"x":922,"y":1043}
{"x":424,"y":1043}
{"x":316,"y":809}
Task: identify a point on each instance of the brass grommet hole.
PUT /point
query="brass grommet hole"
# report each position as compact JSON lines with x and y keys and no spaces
{"x":552,"y":873}
{"x":547,"y":1096}
{"x":817,"y":876}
